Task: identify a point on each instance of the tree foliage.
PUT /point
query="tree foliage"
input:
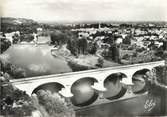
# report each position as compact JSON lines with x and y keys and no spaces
{"x":5,"y":44}
{"x":11,"y":70}
{"x":54,"y":104}
{"x":14,"y":101}
{"x":61,"y":37}
{"x":82,"y":46}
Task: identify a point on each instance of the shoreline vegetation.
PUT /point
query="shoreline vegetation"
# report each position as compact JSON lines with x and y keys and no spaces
{"x":81,"y":52}
{"x":17,"y":103}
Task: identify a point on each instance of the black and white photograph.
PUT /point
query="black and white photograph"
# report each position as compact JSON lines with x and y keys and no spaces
{"x":83,"y":58}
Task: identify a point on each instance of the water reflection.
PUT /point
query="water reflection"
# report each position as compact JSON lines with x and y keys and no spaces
{"x":36,"y":60}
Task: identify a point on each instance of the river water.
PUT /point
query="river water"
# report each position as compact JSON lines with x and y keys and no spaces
{"x":39,"y":60}
{"x":36,"y":60}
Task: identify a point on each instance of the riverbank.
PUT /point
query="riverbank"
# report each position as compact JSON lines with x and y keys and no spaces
{"x":82,"y":62}
{"x":46,"y":60}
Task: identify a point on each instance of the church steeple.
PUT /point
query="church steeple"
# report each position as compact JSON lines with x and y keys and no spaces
{"x":99,"y":26}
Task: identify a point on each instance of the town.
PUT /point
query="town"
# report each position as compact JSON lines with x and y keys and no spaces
{"x":119,"y":42}
{"x":35,"y":51}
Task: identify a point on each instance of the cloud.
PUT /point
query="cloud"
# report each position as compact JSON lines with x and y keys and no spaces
{"x":89,"y":10}
{"x":42,"y":68}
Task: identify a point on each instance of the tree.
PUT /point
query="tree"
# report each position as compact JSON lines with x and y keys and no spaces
{"x":5,"y":44}
{"x":14,"y":101}
{"x":26,"y":37}
{"x":93,"y":49}
{"x":82,"y":46}
{"x":164,"y":45}
{"x":11,"y":70}
{"x":57,"y":37}
{"x":127,"y":40}
{"x":54,"y":104}
{"x":61,"y":37}
{"x":72,"y":45}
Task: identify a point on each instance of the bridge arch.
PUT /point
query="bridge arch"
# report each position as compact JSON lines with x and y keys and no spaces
{"x":140,"y":79}
{"x":142,"y":71}
{"x":114,"y":88}
{"x":68,"y":79}
{"x":83,"y":93}
{"x":51,"y":86}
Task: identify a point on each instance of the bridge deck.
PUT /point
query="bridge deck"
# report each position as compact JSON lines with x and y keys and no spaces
{"x":88,"y":71}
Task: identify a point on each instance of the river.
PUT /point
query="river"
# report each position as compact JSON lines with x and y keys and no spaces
{"x":39,"y":60}
{"x":36,"y":60}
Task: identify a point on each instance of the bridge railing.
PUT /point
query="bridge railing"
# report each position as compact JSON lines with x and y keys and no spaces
{"x":158,"y":63}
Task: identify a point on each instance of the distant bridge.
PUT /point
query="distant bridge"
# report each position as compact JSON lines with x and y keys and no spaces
{"x":65,"y":81}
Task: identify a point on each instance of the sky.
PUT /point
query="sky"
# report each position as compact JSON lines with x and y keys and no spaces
{"x":86,"y":10}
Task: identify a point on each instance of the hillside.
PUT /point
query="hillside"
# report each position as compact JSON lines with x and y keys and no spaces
{"x":16,"y":21}
{"x":9,"y":24}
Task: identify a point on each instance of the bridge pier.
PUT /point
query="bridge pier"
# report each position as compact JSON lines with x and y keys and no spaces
{"x":128,"y":80}
{"x":98,"y":76}
{"x":99,"y":86}
{"x":66,"y":92}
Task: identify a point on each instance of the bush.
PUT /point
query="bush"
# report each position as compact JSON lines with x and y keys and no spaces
{"x":5,"y":44}
{"x":26,"y":37}
{"x":11,"y":70}
{"x":54,"y":104}
{"x":140,"y":49}
{"x":126,"y":57}
{"x":93,"y":49}
{"x":161,"y":73}
{"x":14,"y":102}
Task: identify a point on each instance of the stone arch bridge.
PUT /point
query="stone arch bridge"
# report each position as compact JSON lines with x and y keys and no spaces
{"x":66,"y":80}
